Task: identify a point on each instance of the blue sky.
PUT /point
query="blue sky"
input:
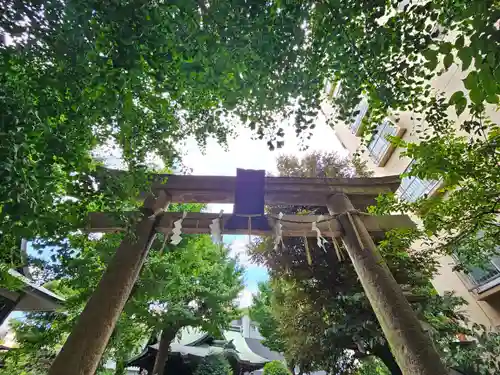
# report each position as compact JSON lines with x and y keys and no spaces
{"x":254,"y":274}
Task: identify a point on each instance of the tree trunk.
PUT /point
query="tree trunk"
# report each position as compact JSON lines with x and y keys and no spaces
{"x":291,"y":365}
{"x":385,"y":355}
{"x":167,"y":335}
{"x":120,"y":366}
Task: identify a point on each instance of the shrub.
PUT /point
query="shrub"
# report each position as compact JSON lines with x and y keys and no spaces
{"x":275,"y":368}
{"x":372,"y":366}
{"x":214,"y":365}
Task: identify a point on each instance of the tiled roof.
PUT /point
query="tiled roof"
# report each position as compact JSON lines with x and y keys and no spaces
{"x":256,"y":346}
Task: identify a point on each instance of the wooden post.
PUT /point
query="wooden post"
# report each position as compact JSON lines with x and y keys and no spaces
{"x":409,"y":344}
{"x":9,"y":305}
{"x":83,"y":349}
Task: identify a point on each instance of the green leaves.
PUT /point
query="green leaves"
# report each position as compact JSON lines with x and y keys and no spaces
{"x":275,"y":368}
{"x":488,"y":82}
{"x":482,"y":86}
{"x":459,"y":42}
{"x":459,"y":101}
{"x":448,"y":60}
{"x":262,"y":313}
{"x":130,"y":80}
{"x":197,"y":280}
{"x":432,"y":59}
{"x":465,"y":54}
{"x":445,"y":48}
{"x":214,"y":365}
{"x":471,"y":82}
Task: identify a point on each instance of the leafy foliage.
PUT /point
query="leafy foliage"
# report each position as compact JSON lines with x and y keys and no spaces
{"x":79,"y":79}
{"x":275,"y":368}
{"x":370,"y":41}
{"x":470,"y":188}
{"x":455,"y":136}
{"x":321,"y":164}
{"x":318,"y":314}
{"x":75,"y":80}
{"x":192,"y":284}
{"x":321,"y":332}
{"x":214,"y":365}
{"x":76,"y":77}
{"x":35,"y":334}
{"x":293,"y":308}
{"x":371,"y":366}
{"x":479,"y":357}
{"x":196,"y":283}
{"x":261,"y":312}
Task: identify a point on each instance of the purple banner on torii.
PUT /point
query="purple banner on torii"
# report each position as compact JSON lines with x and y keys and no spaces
{"x":248,"y":212}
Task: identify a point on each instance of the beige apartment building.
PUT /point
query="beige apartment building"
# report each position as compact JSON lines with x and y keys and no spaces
{"x":480,"y":287}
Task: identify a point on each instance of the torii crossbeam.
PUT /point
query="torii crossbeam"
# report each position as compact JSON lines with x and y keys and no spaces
{"x":293,"y":225}
{"x":345,"y":199}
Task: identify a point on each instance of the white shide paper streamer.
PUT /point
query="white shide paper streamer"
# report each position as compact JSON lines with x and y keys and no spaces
{"x":176,"y":231}
{"x":215,"y":229}
{"x":278,"y":228}
{"x":321,"y":241}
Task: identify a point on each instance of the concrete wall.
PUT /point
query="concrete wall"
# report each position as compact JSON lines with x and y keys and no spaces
{"x":250,"y":329}
{"x":447,"y":280}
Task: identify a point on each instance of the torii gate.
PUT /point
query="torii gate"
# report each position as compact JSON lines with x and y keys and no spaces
{"x":345,"y":198}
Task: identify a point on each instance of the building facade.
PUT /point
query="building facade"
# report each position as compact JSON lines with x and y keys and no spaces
{"x":240,"y":344}
{"x":247,"y":327}
{"x":479,"y":287}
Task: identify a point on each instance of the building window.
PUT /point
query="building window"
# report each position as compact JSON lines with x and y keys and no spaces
{"x":236,"y":325}
{"x":328,"y":87}
{"x":379,"y":145}
{"x":361,"y":110}
{"x":485,"y":277}
{"x":332,"y":88}
{"x":413,"y":188}
{"x":479,"y":276}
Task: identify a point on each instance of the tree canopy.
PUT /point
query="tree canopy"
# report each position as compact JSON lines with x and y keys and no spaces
{"x":315,"y":310}
{"x":79,"y":76}
{"x":455,"y":135}
{"x":214,"y":364}
{"x":192,"y":284}
{"x":275,"y":368}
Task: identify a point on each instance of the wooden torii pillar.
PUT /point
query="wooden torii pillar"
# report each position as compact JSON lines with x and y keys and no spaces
{"x":410,"y":345}
{"x":344,"y":198}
